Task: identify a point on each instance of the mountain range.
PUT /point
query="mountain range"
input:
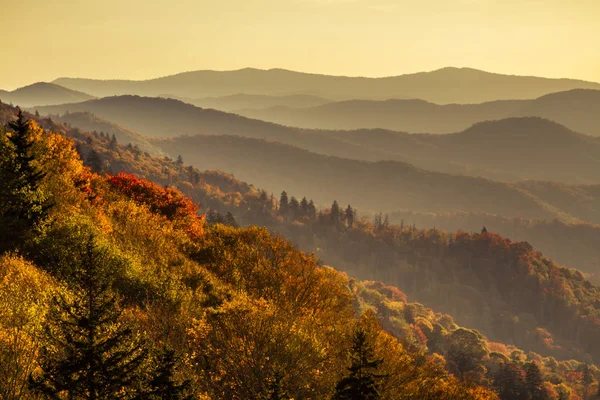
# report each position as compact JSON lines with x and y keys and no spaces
{"x":443,"y":86}
{"x":507,"y":150}
{"x":579,"y":109}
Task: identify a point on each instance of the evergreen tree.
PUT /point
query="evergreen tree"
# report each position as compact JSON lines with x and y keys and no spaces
{"x":304,"y":207}
{"x":508,"y":382}
{"x":534,"y":382}
{"x":88,"y":353}
{"x":283,"y":204}
{"x":349,"y":214}
{"x":163,"y":385}
{"x":294,"y":207}
{"x":312,"y":210}
{"x":335,"y":213}
{"x":230,"y":220}
{"x":179,"y":161}
{"x":95,"y":162}
{"x":113,"y":143}
{"x":23,"y":204}
{"x":361,"y":382}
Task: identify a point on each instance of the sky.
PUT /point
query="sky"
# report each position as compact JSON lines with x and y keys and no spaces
{"x":142,"y":39}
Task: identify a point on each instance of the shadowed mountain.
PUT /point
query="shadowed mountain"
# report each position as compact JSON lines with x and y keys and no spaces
{"x":381,"y":185}
{"x":507,"y":150}
{"x":578,"y":109}
{"x":250,"y":101}
{"x":91,"y":123}
{"x":41,"y":94}
{"x":446,"y":85}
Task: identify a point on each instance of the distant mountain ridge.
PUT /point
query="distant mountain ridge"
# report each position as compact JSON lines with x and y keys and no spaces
{"x":506,"y":150}
{"x":579,"y":109}
{"x":42,"y":94}
{"x":446,"y":85}
{"x":249,"y":101}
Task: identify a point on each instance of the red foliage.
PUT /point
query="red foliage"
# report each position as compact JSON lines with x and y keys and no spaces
{"x":168,"y":202}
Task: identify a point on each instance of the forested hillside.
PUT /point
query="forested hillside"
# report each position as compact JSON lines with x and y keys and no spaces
{"x":114,"y":287}
{"x":492,"y":364}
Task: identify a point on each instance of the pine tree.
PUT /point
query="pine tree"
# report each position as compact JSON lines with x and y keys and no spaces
{"x":113,"y":143}
{"x":335,"y":213}
{"x":95,"y":162}
{"x":163,"y":385}
{"x":294,"y":207}
{"x":89,"y":354}
{"x":312,"y":210}
{"x":283,"y":204}
{"x":361,"y":383}
{"x":304,"y":207}
{"x":534,"y":382}
{"x":230,"y":220}
{"x":349,"y":214}
{"x":179,"y":161}
{"x":23,"y":204}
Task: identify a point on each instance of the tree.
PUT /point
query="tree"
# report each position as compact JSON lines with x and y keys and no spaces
{"x":294,"y":207}
{"x":283,"y":203}
{"x":349,"y":214}
{"x":113,"y":143}
{"x":335,"y":213}
{"x":23,"y":204}
{"x":508,"y":382}
{"x":304,"y":207}
{"x":95,"y":162}
{"x":179,"y":161}
{"x":361,"y":383}
{"x":163,"y":385}
{"x":312,"y":210}
{"x":534,"y":382}
{"x":230,"y":220}
{"x":88,"y":353}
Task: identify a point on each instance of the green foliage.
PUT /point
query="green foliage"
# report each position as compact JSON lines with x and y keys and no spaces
{"x":88,"y":353}
{"x":24,"y":204}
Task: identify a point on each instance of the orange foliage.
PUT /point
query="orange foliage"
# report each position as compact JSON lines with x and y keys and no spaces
{"x":167,"y":201}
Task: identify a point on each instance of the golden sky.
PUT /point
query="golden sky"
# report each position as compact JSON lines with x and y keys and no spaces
{"x":140,"y":39}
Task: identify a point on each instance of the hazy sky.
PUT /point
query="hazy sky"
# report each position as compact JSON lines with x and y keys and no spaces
{"x":140,"y":39}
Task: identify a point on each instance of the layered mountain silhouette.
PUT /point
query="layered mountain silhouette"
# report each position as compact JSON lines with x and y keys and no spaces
{"x":41,"y":94}
{"x":446,"y":85}
{"x":384,"y":185}
{"x":250,"y":102}
{"x":579,"y":109}
{"x":506,"y":150}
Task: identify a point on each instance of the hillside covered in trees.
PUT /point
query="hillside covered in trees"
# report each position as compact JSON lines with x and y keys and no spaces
{"x":91,"y":309}
{"x":467,"y":355}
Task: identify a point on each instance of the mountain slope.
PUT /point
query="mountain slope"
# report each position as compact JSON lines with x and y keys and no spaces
{"x":447,"y":85}
{"x":507,"y":150}
{"x":90,"y":123}
{"x":380,"y":186}
{"x":42,"y":94}
{"x":577,"y":109}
